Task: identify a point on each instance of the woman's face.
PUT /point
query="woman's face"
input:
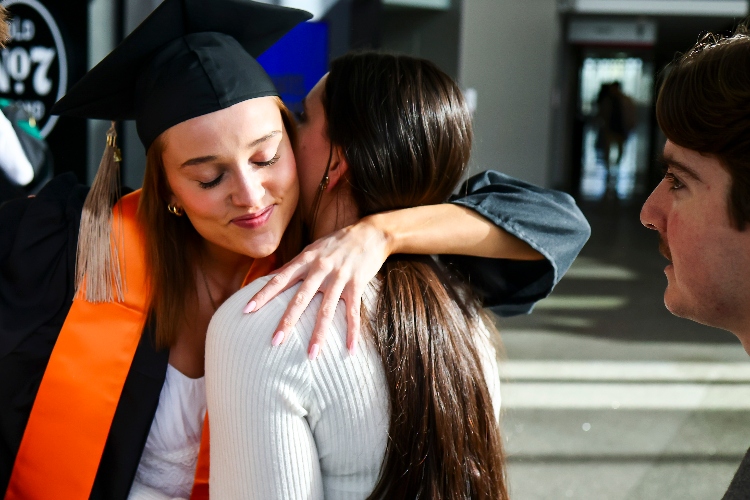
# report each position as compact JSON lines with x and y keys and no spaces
{"x":313,"y":146}
{"x":233,"y":173}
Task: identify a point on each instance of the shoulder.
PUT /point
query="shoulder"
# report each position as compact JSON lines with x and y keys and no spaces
{"x":244,"y":340}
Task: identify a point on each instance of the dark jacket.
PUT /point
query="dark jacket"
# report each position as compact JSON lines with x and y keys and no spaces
{"x":38,"y":238}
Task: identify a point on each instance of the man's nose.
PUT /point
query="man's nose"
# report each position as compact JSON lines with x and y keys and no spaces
{"x":652,"y":212}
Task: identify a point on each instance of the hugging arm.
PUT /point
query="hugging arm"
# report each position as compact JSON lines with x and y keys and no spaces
{"x":512,"y":241}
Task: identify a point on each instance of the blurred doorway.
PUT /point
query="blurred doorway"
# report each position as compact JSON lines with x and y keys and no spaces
{"x":615,"y":97}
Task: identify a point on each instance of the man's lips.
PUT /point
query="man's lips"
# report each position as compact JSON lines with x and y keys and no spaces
{"x":254,"y":220}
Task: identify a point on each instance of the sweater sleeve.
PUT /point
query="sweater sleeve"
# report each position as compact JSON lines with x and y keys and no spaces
{"x":283,"y":426}
{"x":548,"y":220}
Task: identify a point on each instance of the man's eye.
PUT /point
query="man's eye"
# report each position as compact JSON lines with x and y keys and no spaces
{"x":210,"y":184}
{"x":675,"y":181}
{"x":269,"y":162}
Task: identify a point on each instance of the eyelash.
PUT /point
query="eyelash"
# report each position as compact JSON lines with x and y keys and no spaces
{"x":269,"y":162}
{"x":675,"y":182}
{"x":210,"y":184}
{"x":215,"y":182}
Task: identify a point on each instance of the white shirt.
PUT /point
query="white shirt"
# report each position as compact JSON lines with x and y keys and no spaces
{"x":167,"y":466}
{"x":286,"y":427}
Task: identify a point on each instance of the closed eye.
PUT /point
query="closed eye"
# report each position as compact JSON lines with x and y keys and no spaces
{"x":210,"y":184}
{"x":269,"y":162}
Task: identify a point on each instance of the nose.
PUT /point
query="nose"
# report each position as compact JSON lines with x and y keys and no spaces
{"x":249,"y":190}
{"x":653,"y":212}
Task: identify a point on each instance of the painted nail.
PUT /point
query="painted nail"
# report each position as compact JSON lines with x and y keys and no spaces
{"x":353,"y":348}
{"x":278,"y":338}
{"x":314,"y":350}
{"x":250,"y":307}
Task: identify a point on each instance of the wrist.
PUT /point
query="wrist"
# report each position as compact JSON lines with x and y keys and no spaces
{"x":381,"y":223}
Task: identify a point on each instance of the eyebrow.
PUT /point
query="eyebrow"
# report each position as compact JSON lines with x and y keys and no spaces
{"x":677,"y":165}
{"x":207,"y":159}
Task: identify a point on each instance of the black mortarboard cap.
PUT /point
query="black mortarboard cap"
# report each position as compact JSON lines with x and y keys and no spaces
{"x":187,"y":59}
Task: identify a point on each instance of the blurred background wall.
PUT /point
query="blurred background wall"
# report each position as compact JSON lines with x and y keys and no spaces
{"x":532,"y":69}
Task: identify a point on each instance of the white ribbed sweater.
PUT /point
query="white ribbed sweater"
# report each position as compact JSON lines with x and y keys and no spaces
{"x":286,"y":427}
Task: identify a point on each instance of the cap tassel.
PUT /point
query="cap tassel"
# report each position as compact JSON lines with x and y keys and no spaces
{"x":98,"y":273}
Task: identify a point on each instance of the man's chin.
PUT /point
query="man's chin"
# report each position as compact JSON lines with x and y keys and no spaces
{"x":674,"y":305}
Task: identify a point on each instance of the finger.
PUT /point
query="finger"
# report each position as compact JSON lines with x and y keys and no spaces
{"x":296,"y":307}
{"x":325,"y":317}
{"x":288,"y":276}
{"x":353,"y":298}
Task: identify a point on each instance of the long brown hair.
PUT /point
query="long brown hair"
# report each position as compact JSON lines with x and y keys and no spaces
{"x":704,"y":105}
{"x":173,"y":245}
{"x":405,"y":131}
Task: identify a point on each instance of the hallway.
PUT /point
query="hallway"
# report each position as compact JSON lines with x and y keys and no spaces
{"x":608,"y":396}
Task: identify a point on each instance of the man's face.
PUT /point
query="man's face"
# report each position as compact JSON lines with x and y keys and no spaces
{"x":709,"y":272}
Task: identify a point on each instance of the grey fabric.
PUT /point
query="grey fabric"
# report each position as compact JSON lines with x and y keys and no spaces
{"x":548,"y":220}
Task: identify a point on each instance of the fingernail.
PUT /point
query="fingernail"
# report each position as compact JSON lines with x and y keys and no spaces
{"x":278,"y":338}
{"x":352,"y":348}
{"x":250,"y":307}
{"x":314,"y":350}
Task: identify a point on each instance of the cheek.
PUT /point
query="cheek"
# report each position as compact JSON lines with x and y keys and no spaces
{"x":283,"y":184}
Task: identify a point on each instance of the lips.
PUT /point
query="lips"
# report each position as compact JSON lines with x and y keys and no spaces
{"x":255,"y":220}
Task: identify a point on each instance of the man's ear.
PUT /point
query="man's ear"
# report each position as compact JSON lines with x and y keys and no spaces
{"x":338,"y":170}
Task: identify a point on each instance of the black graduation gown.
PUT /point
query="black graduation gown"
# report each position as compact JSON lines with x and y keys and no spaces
{"x":38,"y":238}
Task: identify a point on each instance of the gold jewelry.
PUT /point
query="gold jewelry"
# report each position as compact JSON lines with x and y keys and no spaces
{"x":324,"y":183}
{"x":175,"y":210}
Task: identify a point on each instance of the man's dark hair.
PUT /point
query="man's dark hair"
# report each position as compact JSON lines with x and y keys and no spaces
{"x":4,"y":28}
{"x":704,"y":105}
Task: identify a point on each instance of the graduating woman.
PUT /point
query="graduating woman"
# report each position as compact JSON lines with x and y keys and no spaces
{"x":103,"y":310}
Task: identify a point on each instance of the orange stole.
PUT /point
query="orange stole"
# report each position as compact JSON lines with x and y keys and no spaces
{"x":70,"y":420}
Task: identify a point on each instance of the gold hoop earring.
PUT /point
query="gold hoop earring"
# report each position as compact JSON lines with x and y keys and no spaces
{"x":174,"y":210}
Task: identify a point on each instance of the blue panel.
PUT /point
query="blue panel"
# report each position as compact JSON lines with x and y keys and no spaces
{"x":298,"y":61}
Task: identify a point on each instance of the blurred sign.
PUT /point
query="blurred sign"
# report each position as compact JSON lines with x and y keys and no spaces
{"x":612,"y":32}
{"x":297,"y":61}
{"x":723,"y":8}
{"x":425,"y":4}
{"x":34,"y":66}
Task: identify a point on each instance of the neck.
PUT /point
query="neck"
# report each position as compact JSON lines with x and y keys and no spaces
{"x":337,"y":210}
{"x":224,"y":269}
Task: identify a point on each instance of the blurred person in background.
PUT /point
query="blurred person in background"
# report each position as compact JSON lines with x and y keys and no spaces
{"x":616,"y":119}
{"x":701,"y":208}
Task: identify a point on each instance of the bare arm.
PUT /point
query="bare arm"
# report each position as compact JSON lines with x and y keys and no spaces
{"x":448,"y":229}
{"x":511,"y":239}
